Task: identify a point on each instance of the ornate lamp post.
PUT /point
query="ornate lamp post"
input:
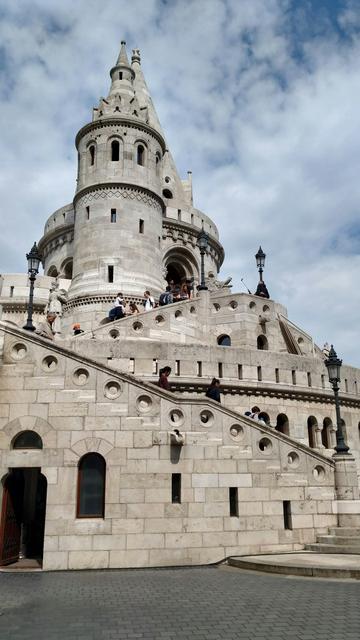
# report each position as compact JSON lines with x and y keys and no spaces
{"x":33,"y":259}
{"x":203,"y":243}
{"x":333,"y":365}
{"x":260,"y":262}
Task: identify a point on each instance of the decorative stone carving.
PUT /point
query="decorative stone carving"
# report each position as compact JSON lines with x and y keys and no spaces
{"x":57,"y":297}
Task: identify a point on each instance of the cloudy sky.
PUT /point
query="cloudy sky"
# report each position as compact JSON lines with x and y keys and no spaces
{"x":259,"y":98}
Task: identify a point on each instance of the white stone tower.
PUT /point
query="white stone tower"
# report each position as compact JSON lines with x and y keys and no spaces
{"x":118,"y":206}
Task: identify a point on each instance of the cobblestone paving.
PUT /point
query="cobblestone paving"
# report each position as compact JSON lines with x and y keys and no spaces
{"x":176,"y":604}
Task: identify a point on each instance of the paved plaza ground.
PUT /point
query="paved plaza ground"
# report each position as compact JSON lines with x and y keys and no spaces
{"x":208,"y":603}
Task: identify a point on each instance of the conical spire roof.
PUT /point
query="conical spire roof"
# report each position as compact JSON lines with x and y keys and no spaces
{"x":123,"y":59}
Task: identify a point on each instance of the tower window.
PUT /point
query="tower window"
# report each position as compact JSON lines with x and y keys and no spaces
{"x":259,"y":374}
{"x":11,"y":291}
{"x":309,"y":379}
{"x":167,"y":194}
{"x":240,"y":371}
{"x":91,"y":486}
{"x":199,"y":368}
{"x":277,"y":375}
{"x":177,"y":367}
{"x":176,"y":488}
{"x":220,"y":369}
{"x":115,"y":150}
{"x":287,"y":514}
{"x":120,"y":75}
{"x":87,"y":213}
{"x":140,"y":155}
{"x":155,"y":367}
{"x":179,"y":214}
{"x":110,"y":273}
{"x":293,"y":376}
{"x":92,"y":154}
{"x":113,"y":215}
{"x":233,"y":502}
{"x":141,"y":226}
{"x":323,"y":381}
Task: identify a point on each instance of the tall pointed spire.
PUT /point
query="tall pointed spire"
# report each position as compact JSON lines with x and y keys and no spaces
{"x":123,"y":59}
{"x":122,"y":75}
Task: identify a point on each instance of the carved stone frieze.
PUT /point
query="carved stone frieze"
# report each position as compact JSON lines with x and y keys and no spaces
{"x":128,"y":193}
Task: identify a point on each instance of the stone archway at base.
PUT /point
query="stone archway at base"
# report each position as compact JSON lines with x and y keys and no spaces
{"x":23,"y":511}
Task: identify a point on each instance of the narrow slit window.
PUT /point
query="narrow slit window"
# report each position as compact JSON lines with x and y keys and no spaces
{"x":355,"y":386}
{"x":287,"y":515}
{"x":233,"y":502}
{"x":346,"y":386}
{"x":140,"y":155}
{"x":277,"y":378}
{"x":87,"y":213}
{"x":176,"y":488}
{"x":155,"y":367}
{"x":192,"y":218}
{"x":293,"y":376}
{"x":120,"y":75}
{"x":240,"y":371}
{"x":131,"y":365}
{"x":115,"y":151}
{"x":177,"y":367}
{"x":179,"y":214}
{"x":11,"y":291}
{"x":309,"y":378}
{"x":199,"y":368}
{"x":141,"y":226}
{"x":113,"y":215}
{"x":110,"y":273}
{"x":92,"y":155}
{"x":220,"y":369}
{"x":323,"y":381}
{"x":259,"y":374}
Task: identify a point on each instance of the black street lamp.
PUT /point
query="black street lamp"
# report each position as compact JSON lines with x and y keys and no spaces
{"x":260,"y":262}
{"x":333,"y":365}
{"x":203,"y":243}
{"x":33,"y":259}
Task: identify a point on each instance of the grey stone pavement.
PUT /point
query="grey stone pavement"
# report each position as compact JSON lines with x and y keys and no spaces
{"x":207,"y":603}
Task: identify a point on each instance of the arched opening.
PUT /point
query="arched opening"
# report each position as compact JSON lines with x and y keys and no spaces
{"x":262,"y":343}
{"x":67,"y":269}
{"x":27,"y":440}
{"x":92,"y":154}
{"x":23,"y":516}
{"x":265,"y":417}
{"x":224,"y":341}
{"x":140,"y":155}
{"x":282,"y":424}
{"x":91,"y":486}
{"x":181,"y":266}
{"x":115,"y":151}
{"x":311,"y":428}
{"x":52,"y":271}
{"x":325,"y":433}
{"x":167,"y":194}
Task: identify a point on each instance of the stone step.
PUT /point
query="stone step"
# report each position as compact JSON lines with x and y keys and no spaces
{"x":345,"y":541}
{"x":351,"y":532}
{"x":333,"y":548}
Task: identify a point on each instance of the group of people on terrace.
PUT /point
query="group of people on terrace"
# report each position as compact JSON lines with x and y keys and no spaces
{"x":173,"y":293}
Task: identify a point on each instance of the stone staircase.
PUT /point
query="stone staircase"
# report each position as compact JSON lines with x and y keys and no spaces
{"x":338,"y":540}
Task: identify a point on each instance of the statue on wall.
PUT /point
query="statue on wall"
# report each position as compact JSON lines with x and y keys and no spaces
{"x":213,"y":284}
{"x":57,"y":298}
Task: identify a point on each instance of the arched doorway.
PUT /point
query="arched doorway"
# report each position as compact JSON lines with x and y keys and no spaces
{"x":181,"y":265}
{"x":23,"y":515}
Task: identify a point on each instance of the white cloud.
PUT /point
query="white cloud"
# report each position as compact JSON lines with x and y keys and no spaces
{"x":272,"y":136}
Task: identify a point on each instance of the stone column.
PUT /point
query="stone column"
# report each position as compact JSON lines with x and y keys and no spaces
{"x":318,"y":441}
{"x":347,"y":491}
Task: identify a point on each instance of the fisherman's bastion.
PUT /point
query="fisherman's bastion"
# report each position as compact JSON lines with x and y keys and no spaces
{"x":99,"y":466}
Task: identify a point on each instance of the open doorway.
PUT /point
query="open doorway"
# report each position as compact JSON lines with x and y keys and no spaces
{"x":23,"y":512}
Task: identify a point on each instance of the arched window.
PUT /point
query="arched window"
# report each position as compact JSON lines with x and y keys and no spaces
{"x":282,"y":424}
{"x":68,"y":269}
{"x":115,"y":151}
{"x":265,"y":416}
{"x":325,"y":433}
{"x":262,"y":343}
{"x":92,"y":154}
{"x":52,"y":271}
{"x":27,"y":440}
{"x":91,"y":486}
{"x":224,"y":341}
{"x":140,"y":155}
{"x":311,"y":427}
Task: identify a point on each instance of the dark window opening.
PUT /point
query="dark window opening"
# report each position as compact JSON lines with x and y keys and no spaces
{"x":179,"y":214}
{"x":224,"y":341}
{"x":91,"y":486}
{"x":92,"y":154}
{"x":325,"y":433}
{"x":240,"y":371}
{"x":259,"y":374}
{"x":346,"y":386}
{"x":110,"y":273}
{"x":141,"y":226}
{"x":282,"y":424}
{"x":311,"y":427}
{"x":167,"y":194}
{"x":233,"y":502}
{"x":277,"y":378}
{"x":309,"y":378}
{"x":115,"y":150}
{"x":177,"y":367}
{"x":262,"y":343}
{"x":155,"y":367}
{"x":176,"y":488}
{"x":287,"y":515}
{"x":113,"y":215}
{"x":199,"y":368}
{"x":27,"y":440}
{"x":293,"y":376}
{"x":11,"y":291}
{"x":87,"y":213}
{"x":140,"y":155}
{"x":323,"y":381}
{"x":220,"y":369}
{"x":120,"y":75}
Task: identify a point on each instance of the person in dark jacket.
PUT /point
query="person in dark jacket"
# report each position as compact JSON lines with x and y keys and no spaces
{"x":213,"y":391}
{"x":163,"y":381}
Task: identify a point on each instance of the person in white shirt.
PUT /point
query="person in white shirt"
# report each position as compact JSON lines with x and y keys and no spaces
{"x":149,"y":302}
